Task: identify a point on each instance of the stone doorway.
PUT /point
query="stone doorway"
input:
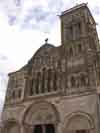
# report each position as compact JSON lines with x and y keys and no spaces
{"x":44,"y":128}
{"x":82,"y":131}
{"x":78,"y":131}
{"x":79,"y":122}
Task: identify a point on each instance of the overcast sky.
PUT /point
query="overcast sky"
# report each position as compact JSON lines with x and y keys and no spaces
{"x":24,"y":25}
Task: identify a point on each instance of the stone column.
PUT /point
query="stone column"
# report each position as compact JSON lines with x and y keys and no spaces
{"x":22,"y":129}
{"x":59,"y":81}
{"x":2,"y":128}
{"x":40,"y":84}
{"x":63,"y":81}
{"x":52,"y":80}
{"x":83,"y":28}
{"x":35,"y":76}
{"x":43,"y":129}
{"x":43,"y":81}
{"x":74,"y":30}
{"x":27,"y":129}
{"x":49,"y":80}
{"x":33,"y":87}
{"x":24,"y":87}
{"x":46,"y":81}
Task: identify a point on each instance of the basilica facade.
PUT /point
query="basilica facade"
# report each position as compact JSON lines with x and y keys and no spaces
{"x":57,"y":91}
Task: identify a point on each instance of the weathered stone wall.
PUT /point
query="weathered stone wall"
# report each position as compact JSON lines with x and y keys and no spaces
{"x":65,"y":107}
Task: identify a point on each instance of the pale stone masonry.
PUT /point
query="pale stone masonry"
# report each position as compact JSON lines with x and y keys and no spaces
{"x":57,"y":91}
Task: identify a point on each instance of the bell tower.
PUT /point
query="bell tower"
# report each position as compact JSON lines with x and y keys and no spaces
{"x":80,"y":41}
{"x":77,"y":24}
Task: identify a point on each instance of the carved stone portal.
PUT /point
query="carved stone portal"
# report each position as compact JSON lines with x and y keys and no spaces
{"x":41,"y":113}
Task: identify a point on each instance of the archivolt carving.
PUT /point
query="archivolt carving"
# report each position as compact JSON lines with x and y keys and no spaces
{"x":78,"y":120}
{"x":40,"y":113}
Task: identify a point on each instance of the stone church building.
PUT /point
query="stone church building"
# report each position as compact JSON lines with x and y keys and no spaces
{"x":57,"y":91}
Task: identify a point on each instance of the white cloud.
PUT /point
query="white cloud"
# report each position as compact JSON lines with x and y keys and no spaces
{"x":16,"y":47}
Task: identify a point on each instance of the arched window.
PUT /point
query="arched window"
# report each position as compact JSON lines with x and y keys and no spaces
{"x":78,"y":81}
{"x":79,"y":48}
{"x":70,"y":51}
{"x":73,"y":81}
{"x":83,"y":80}
{"x":19,"y":93}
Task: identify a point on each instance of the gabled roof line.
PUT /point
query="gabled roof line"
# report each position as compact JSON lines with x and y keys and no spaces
{"x":74,"y":8}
